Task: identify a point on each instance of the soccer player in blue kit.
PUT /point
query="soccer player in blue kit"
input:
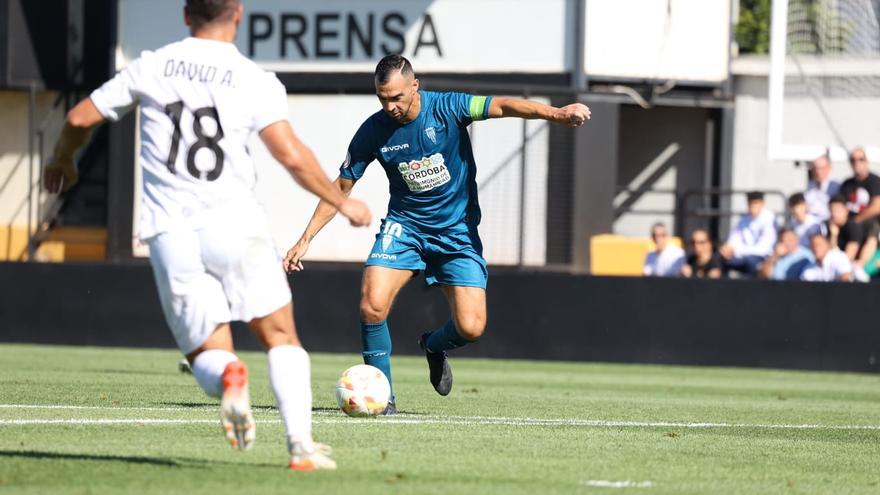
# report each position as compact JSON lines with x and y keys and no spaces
{"x":420,"y":138}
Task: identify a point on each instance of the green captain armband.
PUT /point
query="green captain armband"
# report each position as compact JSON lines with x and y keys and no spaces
{"x":479,"y":107}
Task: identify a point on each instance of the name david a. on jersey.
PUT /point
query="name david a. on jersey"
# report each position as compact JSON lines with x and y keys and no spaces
{"x":193,"y":71}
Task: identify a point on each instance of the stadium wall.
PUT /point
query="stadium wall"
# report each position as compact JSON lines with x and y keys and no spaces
{"x":16,"y":168}
{"x":532,"y":315}
{"x":663,"y":149}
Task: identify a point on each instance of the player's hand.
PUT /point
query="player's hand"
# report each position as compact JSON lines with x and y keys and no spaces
{"x":357,"y":212}
{"x":293,"y":261}
{"x":59,"y":175}
{"x":573,"y":115}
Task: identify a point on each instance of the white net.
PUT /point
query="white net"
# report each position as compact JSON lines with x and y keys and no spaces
{"x":825,"y":90}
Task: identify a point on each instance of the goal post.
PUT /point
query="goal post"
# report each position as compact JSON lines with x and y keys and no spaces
{"x":824,"y":79}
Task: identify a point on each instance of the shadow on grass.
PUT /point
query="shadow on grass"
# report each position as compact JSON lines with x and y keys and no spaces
{"x":212,"y":405}
{"x":205,"y":405}
{"x":336,"y":410}
{"x":35,"y":454}
{"x":180,"y":462}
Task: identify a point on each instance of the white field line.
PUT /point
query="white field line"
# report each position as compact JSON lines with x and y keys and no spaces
{"x":107,"y":421}
{"x":332,"y":417}
{"x":200,"y":407}
{"x":618,"y":484}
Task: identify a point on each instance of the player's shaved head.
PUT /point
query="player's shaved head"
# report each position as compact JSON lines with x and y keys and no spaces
{"x":397,"y":88}
{"x":391,"y":65}
{"x":201,"y":12}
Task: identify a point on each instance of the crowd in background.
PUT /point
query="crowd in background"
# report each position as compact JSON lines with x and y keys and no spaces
{"x":831,"y":234}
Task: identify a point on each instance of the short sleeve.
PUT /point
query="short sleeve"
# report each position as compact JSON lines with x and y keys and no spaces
{"x":121,"y":93}
{"x":270,"y":102}
{"x":466,"y":108}
{"x":851,"y":232}
{"x":874,"y":188}
{"x":360,"y":153}
{"x":842,"y":265}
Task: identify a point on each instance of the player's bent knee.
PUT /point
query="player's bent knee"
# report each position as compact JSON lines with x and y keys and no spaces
{"x":471,"y":330}
{"x":373,"y":311}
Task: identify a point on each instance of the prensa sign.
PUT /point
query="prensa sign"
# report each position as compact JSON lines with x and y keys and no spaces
{"x":351,"y":35}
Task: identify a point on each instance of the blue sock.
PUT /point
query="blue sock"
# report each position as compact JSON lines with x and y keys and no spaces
{"x":445,"y":338}
{"x":376,"y":344}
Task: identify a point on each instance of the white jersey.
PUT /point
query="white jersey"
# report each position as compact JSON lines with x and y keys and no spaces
{"x":667,"y":263}
{"x":200,"y":101}
{"x":835,"y":265}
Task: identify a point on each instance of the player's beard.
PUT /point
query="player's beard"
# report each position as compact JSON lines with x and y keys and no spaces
{"x":404,"y":119}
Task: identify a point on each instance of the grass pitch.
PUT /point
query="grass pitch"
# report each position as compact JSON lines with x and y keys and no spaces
{"x":117,"y":421}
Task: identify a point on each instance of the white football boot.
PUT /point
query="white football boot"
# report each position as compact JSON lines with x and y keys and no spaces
{"x":305,"y":459}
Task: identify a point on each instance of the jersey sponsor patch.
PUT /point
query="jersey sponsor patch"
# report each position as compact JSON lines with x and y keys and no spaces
{"x":425,"y":174}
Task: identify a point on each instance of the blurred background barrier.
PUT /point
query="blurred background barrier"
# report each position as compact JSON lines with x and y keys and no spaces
{"x":532,"y":315}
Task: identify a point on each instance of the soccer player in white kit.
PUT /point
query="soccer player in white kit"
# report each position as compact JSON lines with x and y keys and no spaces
{"x":210,"y":248}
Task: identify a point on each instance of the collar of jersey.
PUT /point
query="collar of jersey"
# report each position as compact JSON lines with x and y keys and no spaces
{"x":193,"y":39}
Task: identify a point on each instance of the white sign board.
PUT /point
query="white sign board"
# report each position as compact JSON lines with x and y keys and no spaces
{"x":680,"y":40}
{"x":351,"y":35}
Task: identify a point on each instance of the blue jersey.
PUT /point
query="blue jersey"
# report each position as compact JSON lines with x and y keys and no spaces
{"x":429,"y":161}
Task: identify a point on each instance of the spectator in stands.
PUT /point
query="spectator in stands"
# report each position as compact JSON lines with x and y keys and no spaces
{"x":752,"y":240}
{"x":872,"y":267}
{"x":666,"y":260}
{"x":820,"y":188}
{"x":804,"y":224}
{"x":831,"y":264}
{"x":858,"y":241}
{"x":703,"y":262}
{"x":789,"y":259}
{"x":862,"y":190}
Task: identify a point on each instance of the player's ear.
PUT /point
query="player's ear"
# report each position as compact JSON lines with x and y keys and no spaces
{"x":415,"y":84}
{"x":186,"y":19}
{"x":239,"y":12}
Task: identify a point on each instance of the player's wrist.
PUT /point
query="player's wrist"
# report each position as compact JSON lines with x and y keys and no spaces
{"x":62,"y":163}
{"x":63,"y":155}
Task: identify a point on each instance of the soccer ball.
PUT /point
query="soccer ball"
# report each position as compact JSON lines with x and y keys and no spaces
{"x":362,"y":390}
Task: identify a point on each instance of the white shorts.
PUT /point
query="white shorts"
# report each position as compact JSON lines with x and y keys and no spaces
{"x":226,"y":269}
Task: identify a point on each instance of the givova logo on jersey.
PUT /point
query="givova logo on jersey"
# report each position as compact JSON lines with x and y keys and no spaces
{"x":425,"y":174}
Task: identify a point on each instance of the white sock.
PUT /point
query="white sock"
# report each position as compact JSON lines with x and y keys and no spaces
{"x":208,"y":369}
{"x":290,"y":376}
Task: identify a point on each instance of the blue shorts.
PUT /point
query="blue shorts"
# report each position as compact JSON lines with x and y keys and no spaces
{"x":453,"y":257}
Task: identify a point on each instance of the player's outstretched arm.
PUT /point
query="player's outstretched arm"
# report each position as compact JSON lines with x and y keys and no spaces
{"x":322,"y":216}
{"x":573,"y":115}
{"x":60,"y":173}
{"x":299,"y":160}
